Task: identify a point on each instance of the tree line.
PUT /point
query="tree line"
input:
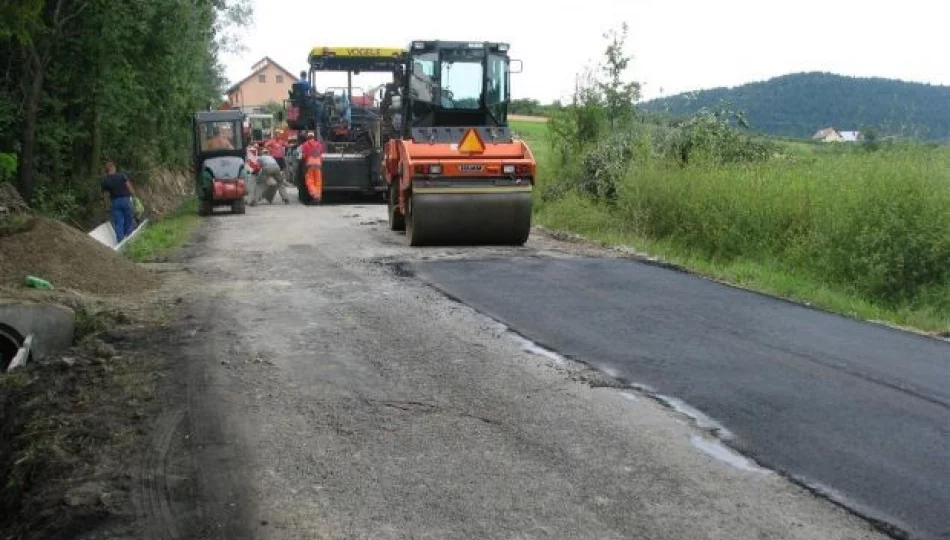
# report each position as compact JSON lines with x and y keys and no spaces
{"x":88,"y":79}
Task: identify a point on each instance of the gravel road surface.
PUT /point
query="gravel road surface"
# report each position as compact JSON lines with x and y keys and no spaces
{"x":326,"y":393}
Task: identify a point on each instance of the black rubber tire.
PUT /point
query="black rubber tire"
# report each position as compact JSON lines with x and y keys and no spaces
{"x":205,"y":208}
{"x":412,"y":232}
{"x":397,"y":221}
{"x":238,"y":207}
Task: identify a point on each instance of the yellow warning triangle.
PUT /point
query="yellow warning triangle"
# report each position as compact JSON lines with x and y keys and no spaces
{"x":471,"y":142}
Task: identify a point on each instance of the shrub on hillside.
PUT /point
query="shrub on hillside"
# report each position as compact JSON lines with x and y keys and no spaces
{"x":604,"y":166}
{"x":710,"y":136}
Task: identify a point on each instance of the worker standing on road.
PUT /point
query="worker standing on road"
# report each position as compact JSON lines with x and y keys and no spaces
{"x":118,"y":192}
{"x":275,"y":148}
{"x":311,"y":157}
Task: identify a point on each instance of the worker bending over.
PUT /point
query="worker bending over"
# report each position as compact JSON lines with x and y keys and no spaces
{"x":268,"y":179}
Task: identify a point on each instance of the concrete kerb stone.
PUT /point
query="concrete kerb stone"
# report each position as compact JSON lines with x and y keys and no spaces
{"x":51,"y":326}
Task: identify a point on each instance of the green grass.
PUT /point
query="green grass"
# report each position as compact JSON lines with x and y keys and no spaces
{"x":535,"y":134}
{"x":862,"y":234}
{"x":164,"y":236}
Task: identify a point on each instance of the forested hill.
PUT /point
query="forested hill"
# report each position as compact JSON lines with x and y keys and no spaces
{"x":800,"y":104}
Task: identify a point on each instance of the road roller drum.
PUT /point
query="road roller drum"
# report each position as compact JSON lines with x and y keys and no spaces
{"x":500,"y":217}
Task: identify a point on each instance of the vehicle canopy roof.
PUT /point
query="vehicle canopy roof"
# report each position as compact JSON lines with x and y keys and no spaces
{"x":421,"y":46}
{"x":356,"y":59}
{"x":219,"y":116}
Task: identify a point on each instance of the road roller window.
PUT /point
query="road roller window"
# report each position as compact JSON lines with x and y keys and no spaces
{"x":219,"y":135}
{"x":497,"y":79}
{"x":422,"y":81}
{"x":461,"y":84}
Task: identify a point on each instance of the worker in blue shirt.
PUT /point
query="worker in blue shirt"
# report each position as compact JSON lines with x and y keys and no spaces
{"x":310,"y":102}
{"x":302,"y":85}
{"x":117,"y":191}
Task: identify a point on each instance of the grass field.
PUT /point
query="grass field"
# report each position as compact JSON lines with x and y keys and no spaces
{"x":534,"y":133}
{"x":859,"y":233}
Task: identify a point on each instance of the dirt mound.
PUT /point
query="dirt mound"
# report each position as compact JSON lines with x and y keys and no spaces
{"x":10,"y":200}
{"x":69,"y":259}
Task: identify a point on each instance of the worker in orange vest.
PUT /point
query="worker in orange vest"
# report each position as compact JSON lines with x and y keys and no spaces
{"x":311,"y":156}
{"x":275,"y":147}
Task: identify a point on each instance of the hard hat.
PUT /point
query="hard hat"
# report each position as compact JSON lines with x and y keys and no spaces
{"x":310,"y":135}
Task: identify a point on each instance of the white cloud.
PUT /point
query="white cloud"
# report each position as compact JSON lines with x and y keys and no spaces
{"x":678,"y":45}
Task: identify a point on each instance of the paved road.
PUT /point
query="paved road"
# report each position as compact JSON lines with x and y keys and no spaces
{"x":331,"y":396}
{"x":857,"y":408}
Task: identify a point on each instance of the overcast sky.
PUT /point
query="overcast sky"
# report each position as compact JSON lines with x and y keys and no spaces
{"x":677,"y":45}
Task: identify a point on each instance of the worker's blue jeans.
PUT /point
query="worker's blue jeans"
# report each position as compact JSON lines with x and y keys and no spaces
{"x":123,"y":220}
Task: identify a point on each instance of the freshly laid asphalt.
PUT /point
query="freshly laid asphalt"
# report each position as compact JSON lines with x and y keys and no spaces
{"x":855,"y":410}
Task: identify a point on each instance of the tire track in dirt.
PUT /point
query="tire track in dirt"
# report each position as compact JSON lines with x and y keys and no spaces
{"x":154,"y":489}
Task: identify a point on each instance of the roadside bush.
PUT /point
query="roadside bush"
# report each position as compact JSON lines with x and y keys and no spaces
{"x":55,"y":203}
{"x":604,"y":166}
{"x":7,"y":166}
{"x":709,"y":136}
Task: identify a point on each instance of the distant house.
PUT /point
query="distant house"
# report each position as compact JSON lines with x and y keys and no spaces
{"x":850,"y":136}
{"x":268,"y":81}
{"x":833,"y":135}
{"x":827,"y":135}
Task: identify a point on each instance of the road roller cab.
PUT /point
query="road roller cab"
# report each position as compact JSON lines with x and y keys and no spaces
{"x":456,"y":173}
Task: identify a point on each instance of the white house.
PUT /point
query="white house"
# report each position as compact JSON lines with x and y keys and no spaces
{"x":833,"y":135}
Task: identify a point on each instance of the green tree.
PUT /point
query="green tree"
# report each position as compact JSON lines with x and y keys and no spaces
{"x":619,"y":95}
{"x":276,"y":109}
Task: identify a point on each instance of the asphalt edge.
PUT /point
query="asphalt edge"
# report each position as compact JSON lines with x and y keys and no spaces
{"x":403,"y":270}
{"x":626,"y":252}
